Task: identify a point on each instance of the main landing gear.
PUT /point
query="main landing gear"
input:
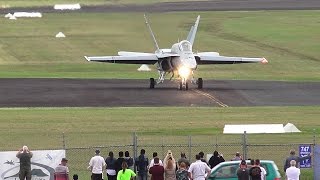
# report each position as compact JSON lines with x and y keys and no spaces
{"x":183,"y":83}
{"x":152,"y":83}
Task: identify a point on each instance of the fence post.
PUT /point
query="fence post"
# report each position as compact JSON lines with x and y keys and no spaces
{"x":64,"y":146}
{"x":244,"y":145}
{"x":190,"y":147}
{"x":135,"y":147}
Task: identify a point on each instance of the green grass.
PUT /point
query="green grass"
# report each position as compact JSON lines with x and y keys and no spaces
{"x":28,"y":47}
{"x":29,"y":3}
{"x":43,"y":128}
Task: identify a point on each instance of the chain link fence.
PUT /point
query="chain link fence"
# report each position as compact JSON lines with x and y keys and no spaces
{"x":227,"y":145}
{"x":252,"y":146}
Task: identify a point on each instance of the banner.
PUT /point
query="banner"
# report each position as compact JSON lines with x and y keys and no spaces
{"x":305,"y":150}
{"x":42,"y":164}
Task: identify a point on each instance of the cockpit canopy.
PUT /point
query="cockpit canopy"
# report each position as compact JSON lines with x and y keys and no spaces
{"x":185,"y":46}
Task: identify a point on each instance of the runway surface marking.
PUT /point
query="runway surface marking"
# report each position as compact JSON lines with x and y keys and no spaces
{"x":210,"y":97}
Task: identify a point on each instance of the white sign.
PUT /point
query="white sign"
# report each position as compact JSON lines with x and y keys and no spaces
{"x":42,"y":164}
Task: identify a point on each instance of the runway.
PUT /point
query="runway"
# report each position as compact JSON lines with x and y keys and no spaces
{"x":127,"y":93}
{"x":209,"y":5}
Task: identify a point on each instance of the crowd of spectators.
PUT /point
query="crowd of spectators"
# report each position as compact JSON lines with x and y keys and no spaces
{"x":125,"y":167}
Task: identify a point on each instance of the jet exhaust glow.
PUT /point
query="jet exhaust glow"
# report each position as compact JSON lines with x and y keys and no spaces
{"x":184,"y":72}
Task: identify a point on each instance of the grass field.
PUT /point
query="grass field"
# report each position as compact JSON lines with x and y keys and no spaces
{"x":28,"y":48}
{"x":42,"y":128}
{"x":29,"y":3}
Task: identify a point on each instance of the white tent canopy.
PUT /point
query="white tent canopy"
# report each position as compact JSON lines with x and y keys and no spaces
{"x":60,"y":35}
{"x":67,"y":6}
{"x":259,"y":128}
{"x":144,"y":67}
{"x":289,"y":128}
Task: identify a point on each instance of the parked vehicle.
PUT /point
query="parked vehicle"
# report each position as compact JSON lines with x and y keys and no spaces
{"x":228,"y":170}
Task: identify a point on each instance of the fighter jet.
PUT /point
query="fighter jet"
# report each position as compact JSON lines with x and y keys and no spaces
{"x":179,"y":61}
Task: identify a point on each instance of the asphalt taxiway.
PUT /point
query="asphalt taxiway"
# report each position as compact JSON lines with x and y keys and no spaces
{"x":126,"y":93}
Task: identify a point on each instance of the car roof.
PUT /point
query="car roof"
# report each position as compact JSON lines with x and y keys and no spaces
{"x":238,"y":162}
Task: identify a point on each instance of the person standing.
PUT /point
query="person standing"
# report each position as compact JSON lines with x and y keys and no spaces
{"x":119,"y":162}
{"x":294,"y":157}
{"x":255,"y":172}
{"x":96,"y":166}
{"x":243,"y":172}
{"x":292,"y":173}
{"x":237,"y":157}
{"x":125,"y":173}
{"x":61,"y":172}
{"x":182,"y":172}
{"x":111,"y":167}
{"x":25,"y":155}
{"x":263,"y":171}
{"x":142,"y":165}
{"x":129,"y":160}
{"x":183,"y":158}
{"x":170,"y":170}
{"x":157,"y":170}
{"x":198,"y":169}
{"x":215,"y":159}
{"x":154,"y":155}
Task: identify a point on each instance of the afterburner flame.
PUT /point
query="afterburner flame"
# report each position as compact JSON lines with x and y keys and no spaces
{"x":184,"y":72}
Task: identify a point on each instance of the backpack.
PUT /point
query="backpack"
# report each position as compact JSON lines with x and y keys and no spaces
{"x":129,"y":161}
{"x":256,"y":172}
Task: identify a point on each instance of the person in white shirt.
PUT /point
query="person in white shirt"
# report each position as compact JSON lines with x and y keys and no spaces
{"x":198,"y":169}
{"x":96,"y":166}
{"x":292,"y":173}
{"x":154,"y":155}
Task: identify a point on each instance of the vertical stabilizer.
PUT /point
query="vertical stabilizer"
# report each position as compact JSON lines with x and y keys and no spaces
{"x":193,"y":31}
{"x":150,"y":30}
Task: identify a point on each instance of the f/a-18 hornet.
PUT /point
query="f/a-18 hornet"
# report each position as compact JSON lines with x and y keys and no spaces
{"x":180,"y":60}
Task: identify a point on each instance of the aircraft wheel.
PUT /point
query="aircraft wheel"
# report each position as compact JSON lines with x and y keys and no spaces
{"x":180,"y":85}
{"x":187,"y":86}
{"x":200,"y":83}
{"x":152,"y":83}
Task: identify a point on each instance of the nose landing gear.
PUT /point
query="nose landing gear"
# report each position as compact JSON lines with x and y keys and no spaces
{"x":183,"y":84}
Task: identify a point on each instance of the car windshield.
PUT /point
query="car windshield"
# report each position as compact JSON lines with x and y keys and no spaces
{"x":227,"y":171}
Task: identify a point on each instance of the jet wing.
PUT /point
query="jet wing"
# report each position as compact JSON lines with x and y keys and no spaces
{"x":126,"y":59}
{"x":207,"y":58}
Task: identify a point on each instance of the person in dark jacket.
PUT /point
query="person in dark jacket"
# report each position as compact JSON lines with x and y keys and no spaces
{"x":294,"y":157}
{"x":119,"y":161}
{"x":215,"y":159}
{"x":25,"y":155}
{"x":243,"y":172}
{"x":111,"y":167}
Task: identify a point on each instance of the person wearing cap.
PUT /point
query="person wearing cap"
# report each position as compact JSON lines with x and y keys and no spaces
{"x":96,"y":166}
{"x":243,"y":172}
{"x":237,"y":157}
{"x":61,"y":172}
{"x":25,"y":155}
